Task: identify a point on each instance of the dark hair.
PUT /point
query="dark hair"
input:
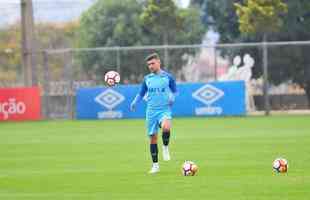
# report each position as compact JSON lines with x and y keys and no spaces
{"x":152,"y":56}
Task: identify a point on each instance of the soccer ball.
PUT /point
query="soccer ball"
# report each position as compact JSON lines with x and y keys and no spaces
{"x":189,"y":168}
{"x":112,"y":78}
{"x":280,"y":165}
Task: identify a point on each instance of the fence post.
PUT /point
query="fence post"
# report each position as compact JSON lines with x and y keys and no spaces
{"x":166,"y":54}
{"x":46,"y":86}
{"x":215,"y":64}
{"x":69,"y":90}
{"x":118,"y":61}
{"x":265,"y":77}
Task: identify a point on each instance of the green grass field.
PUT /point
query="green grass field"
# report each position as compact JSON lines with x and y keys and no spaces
{"x":95,"y":160}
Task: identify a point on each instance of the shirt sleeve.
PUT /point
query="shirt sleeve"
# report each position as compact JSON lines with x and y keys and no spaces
{"x":143,"y":88}
{"x":172,"y":84}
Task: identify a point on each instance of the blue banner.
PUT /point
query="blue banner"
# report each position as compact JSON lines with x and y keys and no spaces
{"x":194,"y":99}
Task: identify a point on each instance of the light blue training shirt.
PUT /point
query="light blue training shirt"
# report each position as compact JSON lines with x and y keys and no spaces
{"x":157,"y":89}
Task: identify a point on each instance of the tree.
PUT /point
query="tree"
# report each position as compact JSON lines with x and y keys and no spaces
{"x":56,"y":36}
{"x":221,"y":15}
{"x":285,"y":64}
{"x":293,"y":63}
{"x":111,"y":23}
{"x":172,"y":26}
{"x":10,"y":57}
{"x":49,"y":36}
{"x":160,"y":16}
{"x":117,"y":23}
{"x":260,"y":16}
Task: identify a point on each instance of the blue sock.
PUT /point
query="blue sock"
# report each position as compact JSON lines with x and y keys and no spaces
{"x":166,"y":137}
{"x":154,"y":152}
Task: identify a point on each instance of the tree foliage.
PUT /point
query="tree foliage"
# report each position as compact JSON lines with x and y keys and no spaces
{"x":293,"y":63}
{"x":112,"y":23}
{"x":221,"y":15}
{"x":48,"y":36}
{"x":161,"y":17}
{"x":290,"y":63}
{"x":10,"y":57}
{"x":260,"y":16}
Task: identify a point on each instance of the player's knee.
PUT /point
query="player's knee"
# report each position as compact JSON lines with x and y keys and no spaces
{"x":166,"y":127}
{"x":153,"y":139}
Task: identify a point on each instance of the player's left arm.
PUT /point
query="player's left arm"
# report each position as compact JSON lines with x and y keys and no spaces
{"x":173,"y":89}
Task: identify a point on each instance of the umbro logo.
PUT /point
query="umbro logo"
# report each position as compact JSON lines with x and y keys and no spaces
{"x":208,"y":94}
{"x":109,"y":99}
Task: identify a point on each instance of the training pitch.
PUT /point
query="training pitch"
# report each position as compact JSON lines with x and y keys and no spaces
{"x":96,"y":160}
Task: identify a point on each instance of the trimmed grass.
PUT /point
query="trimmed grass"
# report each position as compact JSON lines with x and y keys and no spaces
{"x":57,"y":160}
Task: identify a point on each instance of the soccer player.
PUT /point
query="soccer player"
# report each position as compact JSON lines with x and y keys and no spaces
{"x":159,"y":90}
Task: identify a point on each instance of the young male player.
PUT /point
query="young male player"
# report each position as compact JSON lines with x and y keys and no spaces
{"x":159,"y":90}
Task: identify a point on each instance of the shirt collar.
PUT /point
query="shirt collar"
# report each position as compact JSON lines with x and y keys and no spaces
{"x":161,"y":72}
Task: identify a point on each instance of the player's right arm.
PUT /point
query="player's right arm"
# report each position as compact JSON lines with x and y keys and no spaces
{"x":139,"y":96}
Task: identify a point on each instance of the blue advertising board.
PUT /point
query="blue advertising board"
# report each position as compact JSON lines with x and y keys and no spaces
{"x":193,"y":99}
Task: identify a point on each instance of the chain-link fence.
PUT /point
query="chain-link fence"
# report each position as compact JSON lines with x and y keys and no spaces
{"x":277,"y":74}
{"x":284,"y":87}
{"x":287,"y":73}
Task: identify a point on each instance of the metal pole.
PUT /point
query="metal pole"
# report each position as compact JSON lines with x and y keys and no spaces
{"x":166,"y":58}
{"x":28,"y":40}
{"x":46,"y":86}
{"x":265,"y":76}
{"x":71,"y":89}
{"x":118,"y":61}
{"x":215,"y":64}
{"x":68,"y":75}
{"x":25,"y":56}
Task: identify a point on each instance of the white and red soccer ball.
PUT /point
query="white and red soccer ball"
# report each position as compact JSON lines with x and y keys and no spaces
{"x":189,"y":168}
{"x":280,"y":165}
{"x":112,"y":78}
